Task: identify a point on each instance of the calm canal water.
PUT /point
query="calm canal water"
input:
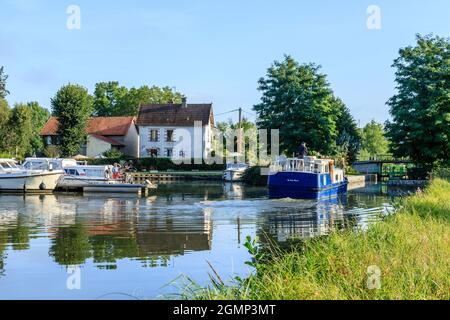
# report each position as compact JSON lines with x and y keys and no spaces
{"x":107,"y":247}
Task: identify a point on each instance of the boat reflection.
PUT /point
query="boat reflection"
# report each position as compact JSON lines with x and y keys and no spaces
{"x":307,"y":219}
{"x":103,"y":229}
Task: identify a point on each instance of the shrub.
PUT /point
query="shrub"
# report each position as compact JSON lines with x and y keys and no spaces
{"x":252,"y":176}
{"x":51,"y":152}
{"x":113,"y":154}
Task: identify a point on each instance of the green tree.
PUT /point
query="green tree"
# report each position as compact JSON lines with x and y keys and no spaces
{"x":374,"y":142}
{"x":420,"y":126}
{"x":297,"y":100}
{"x":229,"y":131}
{"x":19,"y":131}
{"x":148,"y":95}
{"x":4,"y":115}
{"x":108,"y":99}
{"x":111,"y":99}
{"x":73,"y":107}
{"x":39,"y":117}
{"x":3,"y":78}
{"x":348,"y":139}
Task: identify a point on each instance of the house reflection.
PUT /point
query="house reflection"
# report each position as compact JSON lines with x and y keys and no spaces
{"x":104,"y":229}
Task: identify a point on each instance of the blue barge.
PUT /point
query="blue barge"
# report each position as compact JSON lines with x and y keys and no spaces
{"x":308,"y":178}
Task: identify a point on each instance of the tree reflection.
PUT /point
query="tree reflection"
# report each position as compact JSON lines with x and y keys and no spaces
{"x":71,"y":245}
{"x":20,"y":234}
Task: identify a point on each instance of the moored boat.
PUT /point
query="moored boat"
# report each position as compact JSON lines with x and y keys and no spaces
{"x":89,"y":178}
{"x":15,"y":178}
{"x":234,"y":171}
{"x":308,"y":178}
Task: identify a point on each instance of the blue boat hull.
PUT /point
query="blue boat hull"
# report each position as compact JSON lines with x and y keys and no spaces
{"x":304,"y":185}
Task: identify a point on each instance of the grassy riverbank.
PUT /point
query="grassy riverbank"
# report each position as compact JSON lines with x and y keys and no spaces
{"x":411,"y":250}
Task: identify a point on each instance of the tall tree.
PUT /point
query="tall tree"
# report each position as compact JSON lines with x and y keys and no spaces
{"x":348,"y":138}
{"x":3,"y":78}
{"x":19,"y":130}
{"x":39,"y":117}
{"x":73,"y":107}
{"x":297,"y":100}
{"x":4,"y":116}
{"x":374,"y":142}
{"x":420,"y":126}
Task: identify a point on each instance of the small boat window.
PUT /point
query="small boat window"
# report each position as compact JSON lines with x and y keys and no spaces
{"x":4,"y":165}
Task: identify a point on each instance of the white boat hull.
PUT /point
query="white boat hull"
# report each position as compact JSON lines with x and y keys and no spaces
{"x":71,"y":183}
{"x":233,"y":175}
{"x":29,"y":182}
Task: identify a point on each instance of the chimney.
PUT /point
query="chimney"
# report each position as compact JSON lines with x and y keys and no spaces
{"x":184,"y":102}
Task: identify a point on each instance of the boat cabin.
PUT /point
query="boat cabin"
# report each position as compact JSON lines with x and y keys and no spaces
{"x":8,"y":165}
{"x":89,"y":171}
{"x":48,"y":163}
{"x":308,"y":165}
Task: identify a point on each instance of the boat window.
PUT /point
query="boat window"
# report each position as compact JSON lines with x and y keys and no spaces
{"x":72,"y":172}
{"x":12,"y":165}
{"x":4,"y":165}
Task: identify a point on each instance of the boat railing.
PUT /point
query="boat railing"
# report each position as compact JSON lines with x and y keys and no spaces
{"x":295,"y":165}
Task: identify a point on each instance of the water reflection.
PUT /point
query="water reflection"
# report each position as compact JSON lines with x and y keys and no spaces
{"x":177,"y":228}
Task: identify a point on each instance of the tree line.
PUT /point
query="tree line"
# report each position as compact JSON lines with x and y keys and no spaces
{"x":20,"y":126}
{"x":297,"y":99}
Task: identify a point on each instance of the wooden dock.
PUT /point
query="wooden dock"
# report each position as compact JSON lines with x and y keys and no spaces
{"x":161,"y":177}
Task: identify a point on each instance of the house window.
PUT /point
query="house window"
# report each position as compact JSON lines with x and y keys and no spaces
{"x":153,"y":152}
{"x":153,"y":135}
{"x":169,"y":152}
{"x":170,"y":136}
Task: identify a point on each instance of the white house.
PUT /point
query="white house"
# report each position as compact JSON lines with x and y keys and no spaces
{"x":103,"y":134}
{"x":179,"y":131}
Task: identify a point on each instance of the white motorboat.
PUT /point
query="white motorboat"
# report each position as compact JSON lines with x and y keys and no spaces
{"x":76,"y":176}
{"x":88,"y":178}
{"x":234,"y":171}
{"x":18,"y":178}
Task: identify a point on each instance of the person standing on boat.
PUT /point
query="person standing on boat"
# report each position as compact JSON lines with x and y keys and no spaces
{"x":302,"y":151}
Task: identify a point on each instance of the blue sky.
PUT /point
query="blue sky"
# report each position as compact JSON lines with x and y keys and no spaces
{"x":213,"y":51}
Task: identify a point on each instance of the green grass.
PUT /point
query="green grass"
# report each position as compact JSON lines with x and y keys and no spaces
{"x":410,"y":248}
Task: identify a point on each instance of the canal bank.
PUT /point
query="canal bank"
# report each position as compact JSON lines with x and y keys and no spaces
{"x":137,"y":246}
{"x":405,"y":256}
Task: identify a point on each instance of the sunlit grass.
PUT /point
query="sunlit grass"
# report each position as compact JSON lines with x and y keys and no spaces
{"x":411,"y":248}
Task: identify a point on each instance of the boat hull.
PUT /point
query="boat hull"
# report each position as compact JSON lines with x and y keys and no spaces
{"x":114,"y":188}
{"x":304,"y":185}
{"x":74,"y":183}
{"x":233,"y":175}
{"x":29,"y":182}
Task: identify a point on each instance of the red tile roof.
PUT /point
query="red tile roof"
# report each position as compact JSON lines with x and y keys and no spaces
{"x":104,"y":126}
{"x":175,"y":114}
{"x":108,"y":140}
